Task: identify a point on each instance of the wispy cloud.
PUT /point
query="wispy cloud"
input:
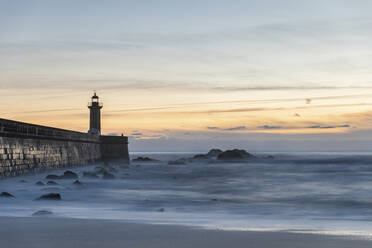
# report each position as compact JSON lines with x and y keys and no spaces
{"x":285,"y":88}
{"x":329,"y":127}
{"x":277,"y":127}
{"x":239,"y":110}
{"x":263,"y":101}
{"x":212,"y":128}
{"x":44,"y":111}
{"x":239,"y":128}
{"x":269,"y":127}
{"x":130,"y":83}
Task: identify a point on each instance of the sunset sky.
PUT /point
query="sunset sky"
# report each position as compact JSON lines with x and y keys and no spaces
{"x":191,"y":75}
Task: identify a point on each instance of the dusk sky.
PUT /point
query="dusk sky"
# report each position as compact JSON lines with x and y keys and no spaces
{"x":191,"y":75}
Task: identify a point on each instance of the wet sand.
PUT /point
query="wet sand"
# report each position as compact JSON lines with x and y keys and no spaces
{"x":39,"y":232}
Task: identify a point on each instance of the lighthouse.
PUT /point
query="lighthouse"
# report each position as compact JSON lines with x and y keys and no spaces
{"x":95,"y":115}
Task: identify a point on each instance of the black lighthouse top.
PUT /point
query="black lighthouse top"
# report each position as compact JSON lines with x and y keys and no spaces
{"x":95,"y":101}
{"x":95,"y":115}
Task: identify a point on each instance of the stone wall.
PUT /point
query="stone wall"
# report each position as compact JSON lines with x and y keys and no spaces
{"x":27,"y":147}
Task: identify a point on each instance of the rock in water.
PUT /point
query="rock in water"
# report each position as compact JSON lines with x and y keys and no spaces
{"x":234,"y":155}
{"x":52,"y":177}
{"x":200,"y":157}
{"x":52,"y":183}
{"x":214,"y":153}
{"x":90,"y":174}
{"x":42,"y":213}
{"x":108,"y":175}
{"x":77,"y":182}
{"x":51,"y":196}
{"x":6,"y":195}
{"x":101,"y":170}
{"x":39,"y":183}
{"x":69,"y":175}
{"x":144,"y":159}
{"x":105,"y":174}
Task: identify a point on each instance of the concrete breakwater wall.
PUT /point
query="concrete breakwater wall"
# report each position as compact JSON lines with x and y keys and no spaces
{"x":26,"y":147}
{"x":115,"y":148}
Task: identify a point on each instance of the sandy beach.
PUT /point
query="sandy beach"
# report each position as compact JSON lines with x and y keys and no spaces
{"x":39,"y":232}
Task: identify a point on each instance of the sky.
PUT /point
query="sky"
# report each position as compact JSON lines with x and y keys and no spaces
{"x":263,"y":75}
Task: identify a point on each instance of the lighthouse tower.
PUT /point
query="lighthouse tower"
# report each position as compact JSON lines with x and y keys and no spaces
{"x":95,"y":115}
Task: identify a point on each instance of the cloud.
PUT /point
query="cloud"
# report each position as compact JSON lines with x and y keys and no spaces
{"x":212,"y":128}
{"x":236,"y":128}
{"x":329,"y":127}
{"x":285,"y":88}
{"x":149,"y":137}
{"x":140,"y":109}
{"x":113,"y":134}
{"x":136,"y":135}
{"x":44,"y":111}
{"x":269,"y":127}
{"x":175,"y":107}
{"x":145,"y":84}
{"x":240,"y":110}
{"x":180,"y":106}
{"x":275,"y":127}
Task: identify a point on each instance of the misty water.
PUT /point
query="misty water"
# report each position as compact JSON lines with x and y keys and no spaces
{"x":305,"y":192}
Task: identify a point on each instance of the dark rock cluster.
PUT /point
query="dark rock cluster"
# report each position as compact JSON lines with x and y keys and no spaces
{"x":42,"y":213}
{"x":216,"y":155}
{"x":210,"y":155}
{"x":235,"y":154}
{"x":105,"y":173}
{"x":6,"y":195}
{"x":51,"y":196}
{"x":52,"y":183}
{"x":77,"y":182}
{"x":39,"y":183}
{"x":90,"y":174}
{"x":144,"y":159}
{"x":52,"y":177}
{"x":67,"y":175}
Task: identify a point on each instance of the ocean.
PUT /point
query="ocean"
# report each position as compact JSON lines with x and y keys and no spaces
{"x":328,"y":193}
